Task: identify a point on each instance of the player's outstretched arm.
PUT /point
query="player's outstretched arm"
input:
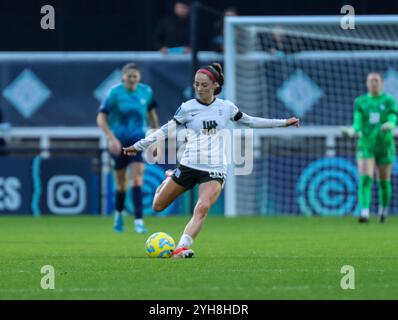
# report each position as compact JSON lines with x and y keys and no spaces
{"x":356,"y":128}
{"x":348,"y":132}
{"x":257,"y":122}
{"x":390,"y":124}
{"x":130,"y":151}
{"x":160,"y":134}
{"x":114,"y":144}
{"x":293,"y":122}
{"x":153,"y":118}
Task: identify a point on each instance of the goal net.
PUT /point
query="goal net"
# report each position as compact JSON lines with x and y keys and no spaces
{"x":311,"y":68}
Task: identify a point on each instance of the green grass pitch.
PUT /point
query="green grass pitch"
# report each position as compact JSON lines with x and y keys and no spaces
{"x":236,"y":258}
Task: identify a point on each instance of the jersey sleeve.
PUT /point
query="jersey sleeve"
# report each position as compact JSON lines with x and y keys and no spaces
{"x":160,"y":134}
{"x":181,"y":115}
{"x":393,"y":108}
{"x":152,"y":104}
{"x":392,"y":112}
{"x":253,"y":122}
{"x":109,"y":102}
{"x":235,"y":113}
{"x":358,"y":119}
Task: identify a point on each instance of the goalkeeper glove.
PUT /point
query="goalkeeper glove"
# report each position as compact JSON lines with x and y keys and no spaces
{"x":348,"y":132}
{"x":386,"y":126}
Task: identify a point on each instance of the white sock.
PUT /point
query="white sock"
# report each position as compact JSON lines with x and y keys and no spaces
{"x":365,"y":213}
{"x":383,"y":211}
{"x":139,"y":221}
{"x":185,"y":241}
{"x":117,"y":214}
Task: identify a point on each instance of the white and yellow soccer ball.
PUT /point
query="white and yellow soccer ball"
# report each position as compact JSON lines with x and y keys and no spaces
{"x":160,"y":245}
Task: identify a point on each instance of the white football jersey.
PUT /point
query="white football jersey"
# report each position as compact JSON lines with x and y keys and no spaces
{"x":206,"y":132}
{"x":205,"y":147}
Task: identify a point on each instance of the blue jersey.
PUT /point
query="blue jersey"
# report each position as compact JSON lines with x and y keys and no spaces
{"x":127,"y":111}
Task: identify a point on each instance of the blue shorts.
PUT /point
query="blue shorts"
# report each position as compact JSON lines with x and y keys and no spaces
{"x":122,"y":161}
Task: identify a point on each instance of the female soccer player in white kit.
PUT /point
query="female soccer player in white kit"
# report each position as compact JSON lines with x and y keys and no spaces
{"x":204,"y":118}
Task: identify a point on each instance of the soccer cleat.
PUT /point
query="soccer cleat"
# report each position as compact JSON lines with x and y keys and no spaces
{"x":363,"y":220}
{"x":382,"y":218}
{"x":183,"y":253}
{"x":118,"y":225}
{"x":139,"y":227}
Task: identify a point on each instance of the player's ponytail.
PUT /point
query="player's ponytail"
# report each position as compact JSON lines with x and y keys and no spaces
{"x":219,"y":76}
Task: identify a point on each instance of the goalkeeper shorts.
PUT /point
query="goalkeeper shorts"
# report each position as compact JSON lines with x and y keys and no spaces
{"x":381,"y":155}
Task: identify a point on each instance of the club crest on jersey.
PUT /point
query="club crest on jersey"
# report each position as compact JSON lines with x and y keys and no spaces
{"x":209,"y":127}
{"x":382,"y":107}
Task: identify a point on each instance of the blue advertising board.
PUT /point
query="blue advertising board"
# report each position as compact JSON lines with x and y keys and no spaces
{"x":320,"y":186}
{"x":68,"y":186}
{"x":16,"y":187}
{"x":63,"y":186}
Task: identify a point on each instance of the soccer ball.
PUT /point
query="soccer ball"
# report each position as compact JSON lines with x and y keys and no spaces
{"x":160,"y":245}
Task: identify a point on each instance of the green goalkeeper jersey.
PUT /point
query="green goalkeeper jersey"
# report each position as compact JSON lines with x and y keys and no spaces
{"x":370,"y":113}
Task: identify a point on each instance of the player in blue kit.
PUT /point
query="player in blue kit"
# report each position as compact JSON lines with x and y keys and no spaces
{"x":123,"y":118}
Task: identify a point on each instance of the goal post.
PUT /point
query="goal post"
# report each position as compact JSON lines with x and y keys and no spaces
{"x":312,"y":68}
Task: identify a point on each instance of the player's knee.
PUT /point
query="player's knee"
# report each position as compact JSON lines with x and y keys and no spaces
{"x":121,"y":186}
{"x":203,"y":207}
{"x":158,"y":205}
{"x":137,"y":180}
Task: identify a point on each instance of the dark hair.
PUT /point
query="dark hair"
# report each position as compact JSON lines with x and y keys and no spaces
{"x":216,"y":70}
{"x":130,"y":66}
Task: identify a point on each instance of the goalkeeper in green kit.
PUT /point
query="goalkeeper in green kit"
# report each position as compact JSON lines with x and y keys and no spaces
{"x":375,"y":117}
